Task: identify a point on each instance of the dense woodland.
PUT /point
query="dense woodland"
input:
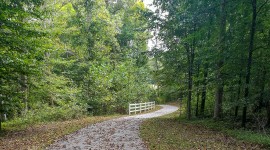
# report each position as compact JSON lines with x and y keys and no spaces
{"x":216,"y":58}
{"x":68,"y":58}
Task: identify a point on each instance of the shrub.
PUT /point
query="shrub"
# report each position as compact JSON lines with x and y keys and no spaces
{"x":47,"y":114}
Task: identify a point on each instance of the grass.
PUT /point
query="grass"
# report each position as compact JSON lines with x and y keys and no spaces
{"x":227,"y":128}
{"x":167,"y":133}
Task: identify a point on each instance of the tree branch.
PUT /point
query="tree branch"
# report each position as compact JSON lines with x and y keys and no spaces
{"x":260,"y":8}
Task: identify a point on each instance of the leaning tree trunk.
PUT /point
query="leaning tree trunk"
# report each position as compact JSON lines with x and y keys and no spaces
{"x":250,"y":52}
{"x":219,"y":92}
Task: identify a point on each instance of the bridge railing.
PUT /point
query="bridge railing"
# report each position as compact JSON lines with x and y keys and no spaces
{"x":140,"y":107}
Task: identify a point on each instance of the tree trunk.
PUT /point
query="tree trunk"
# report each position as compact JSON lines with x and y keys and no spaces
{"x":156,"y":72}
{"x":250,"y":52}
{"x":190,"y":69}
{"x":219,"y":92}
{"x":236,"y":111}
{"x":190,"y":55}
{"x":197,"y":104}
{"x":198,"y":91}
{"x":218,"y":102}
{"x":268,"y":114}
{"x":261,"y":103}
{"x":1,"y":114}
{"x":205,"y":74}
{"x":24,"y":90}
{"x":180,"y":103}
{"x":238,"y":95}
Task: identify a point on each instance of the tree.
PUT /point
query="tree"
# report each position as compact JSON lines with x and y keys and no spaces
{"x":216,"y":32}
{"x":253,"y":26}
{"x":20,"y":48}
{"x":220,"y":82}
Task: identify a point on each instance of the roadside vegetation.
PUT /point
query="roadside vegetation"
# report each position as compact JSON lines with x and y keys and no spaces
{"x":168,"y":132}
{"x":228,"y":128}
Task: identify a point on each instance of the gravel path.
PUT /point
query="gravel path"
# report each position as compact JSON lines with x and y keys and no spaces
{"x":121,"y":133}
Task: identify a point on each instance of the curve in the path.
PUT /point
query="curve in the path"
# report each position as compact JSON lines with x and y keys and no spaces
{"x":121,"y":133}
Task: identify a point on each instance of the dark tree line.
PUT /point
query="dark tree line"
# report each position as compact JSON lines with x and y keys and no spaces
{"x":216,"y":57}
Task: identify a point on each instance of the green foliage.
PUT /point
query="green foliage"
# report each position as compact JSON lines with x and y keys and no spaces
{"x":46,"y":113}
{"x":227,"y":128}
{"x":206,"y":48}
{"x":56,"y":54}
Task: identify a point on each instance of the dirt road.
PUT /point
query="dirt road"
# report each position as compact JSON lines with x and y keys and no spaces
{"x":121,"y":133}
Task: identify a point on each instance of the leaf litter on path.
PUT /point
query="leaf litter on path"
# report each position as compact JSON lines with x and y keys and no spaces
{"x":121,"y":133}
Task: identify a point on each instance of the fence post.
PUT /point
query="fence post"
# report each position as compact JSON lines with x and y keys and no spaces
{"x":128,"y":108}
{"x":135,"y":108}
{"x":145,"y":106}
{"x":140,"y":107}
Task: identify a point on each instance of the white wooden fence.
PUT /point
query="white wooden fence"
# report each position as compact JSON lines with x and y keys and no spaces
{"x":140,"y":107}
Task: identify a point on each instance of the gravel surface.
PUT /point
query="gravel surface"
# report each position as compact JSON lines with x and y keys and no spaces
{"x":121,"y":133}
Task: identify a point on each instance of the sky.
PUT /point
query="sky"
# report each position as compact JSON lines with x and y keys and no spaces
{"x":153,"y":42}
{"x":148,"y":5}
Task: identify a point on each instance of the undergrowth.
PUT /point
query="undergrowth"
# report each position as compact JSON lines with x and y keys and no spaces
{"x":45,"y":114}
{"x":228,"y":128}
{"x":170,"y":132}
